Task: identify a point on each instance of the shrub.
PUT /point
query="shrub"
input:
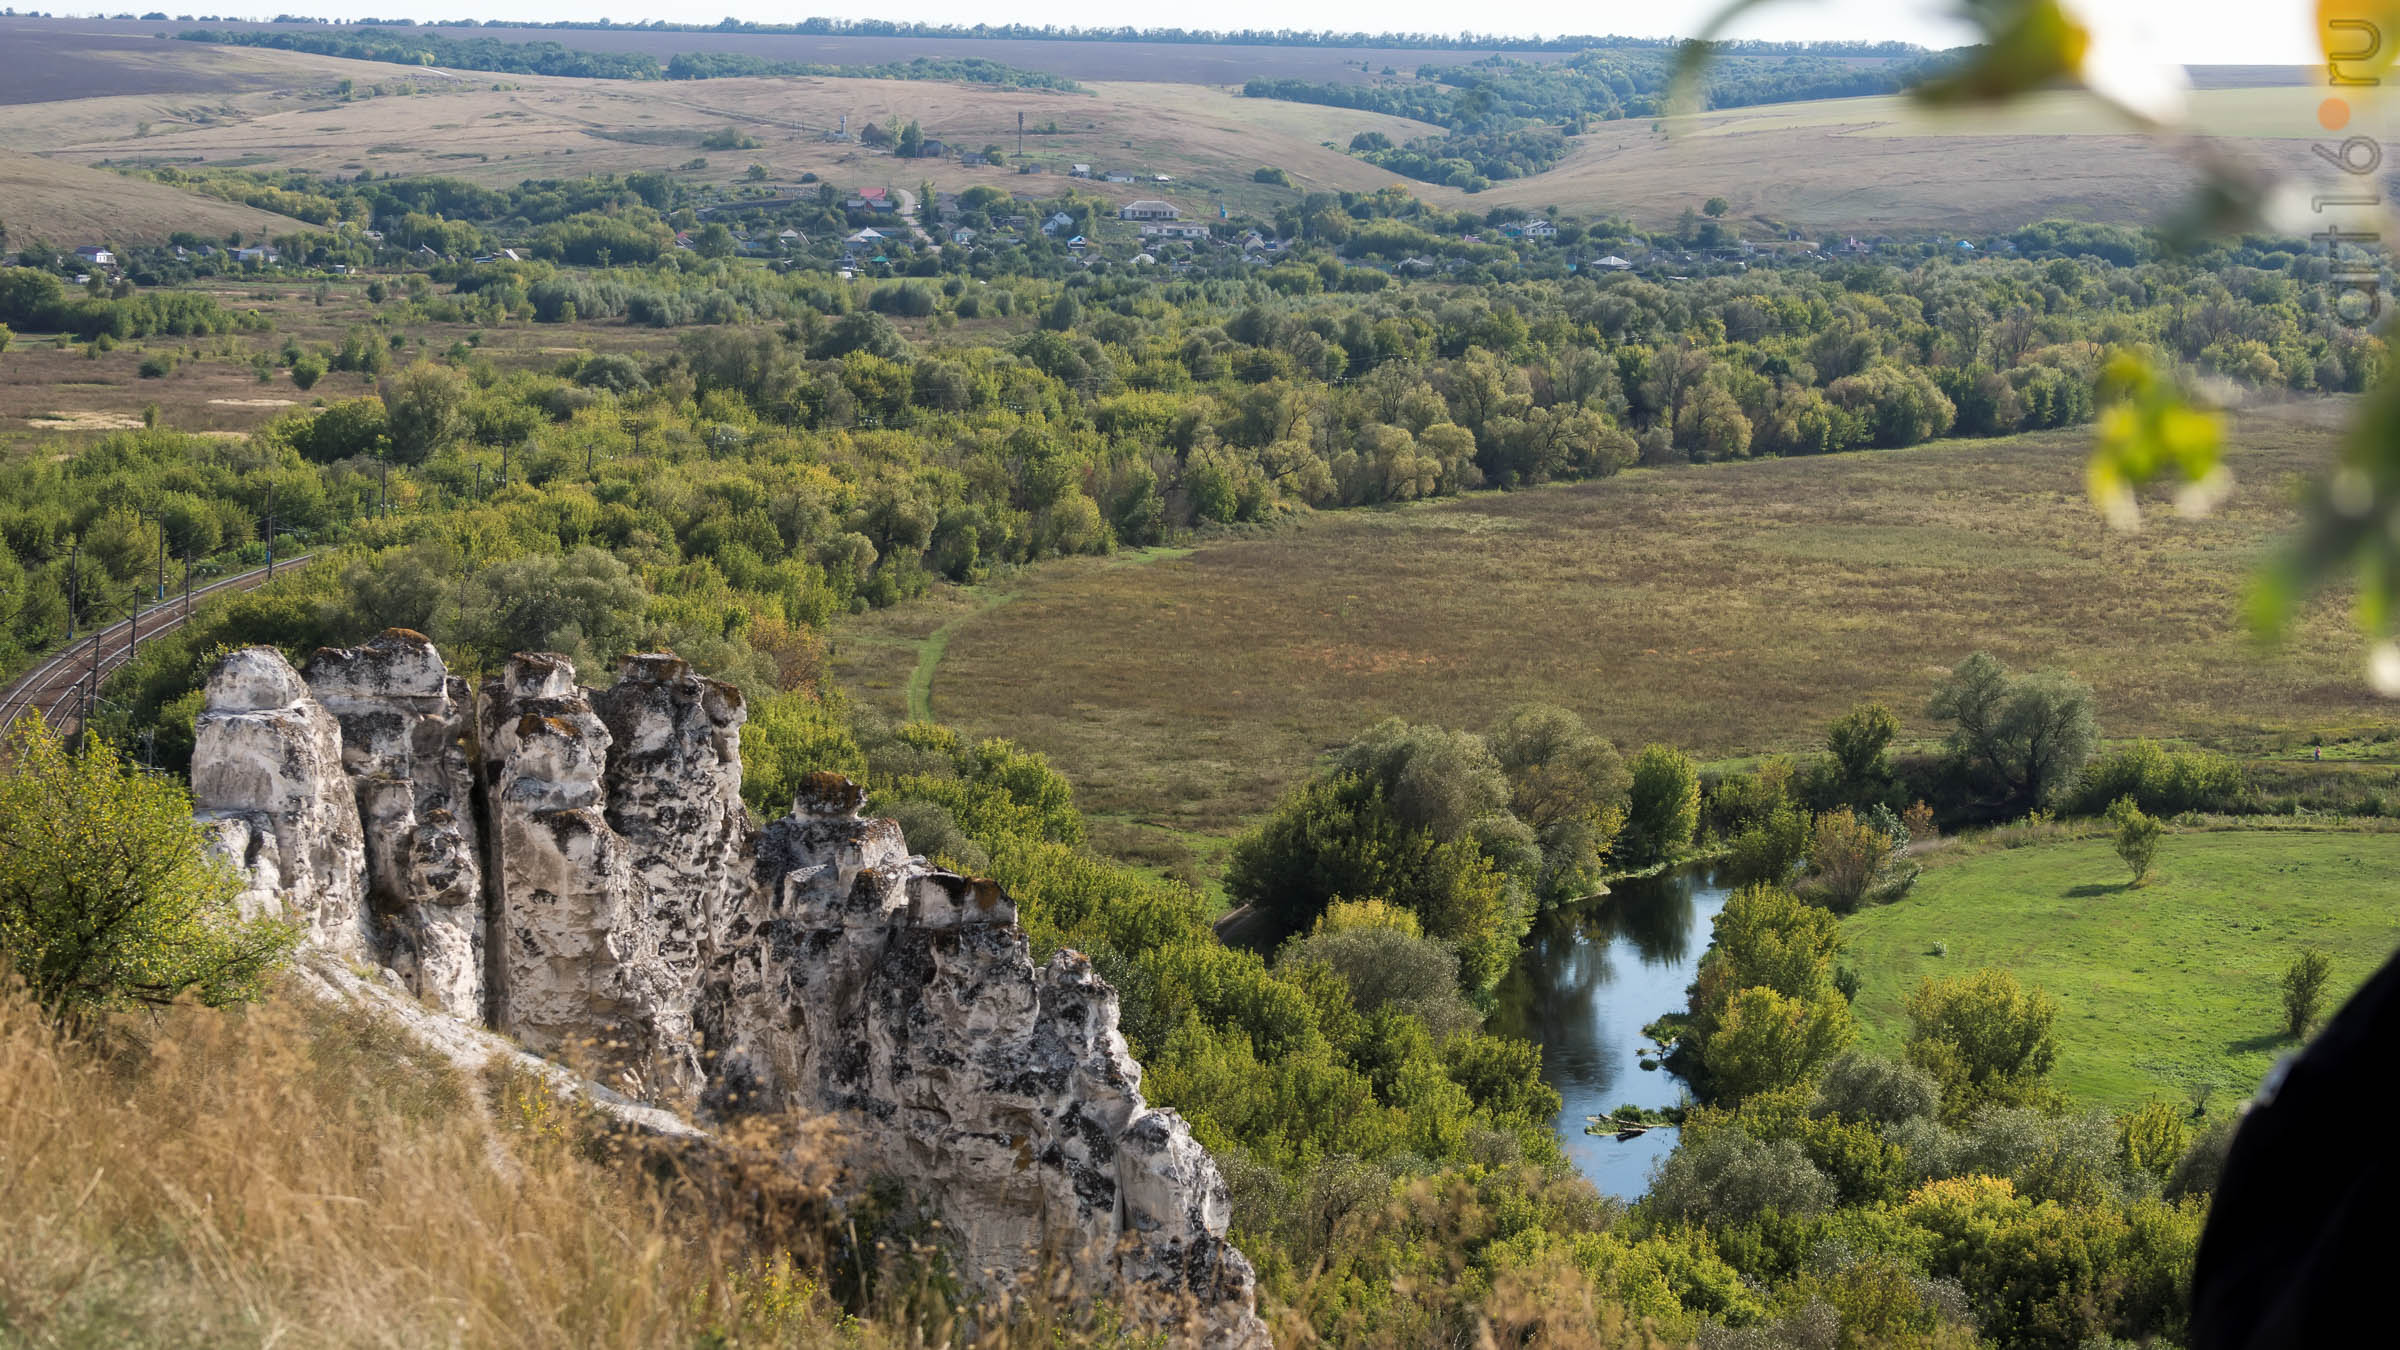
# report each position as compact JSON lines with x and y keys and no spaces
{"x":2304,"y":991}
{"x":1844,"y":856}
{"x":2162,"y":782}
{"x":2152,"y":1138}
{"x":1918,"y":819}
{"x":111,"y":897}
{"x":1876,"y":1090}
{"x":157,"y":366}
{"x":1727,"y":1177}
{"x":2136,"y":836}
{"x":1985,"y":1039}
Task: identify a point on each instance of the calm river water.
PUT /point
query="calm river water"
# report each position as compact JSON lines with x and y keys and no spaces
{"x":1589,"y":979}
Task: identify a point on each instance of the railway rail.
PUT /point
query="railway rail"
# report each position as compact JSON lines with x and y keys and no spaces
{"x":68,"y":680}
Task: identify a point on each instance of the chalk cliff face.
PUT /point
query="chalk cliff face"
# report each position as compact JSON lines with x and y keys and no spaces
{"x":576,"y":870}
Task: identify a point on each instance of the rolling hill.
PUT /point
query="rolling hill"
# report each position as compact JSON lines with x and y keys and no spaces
{"x":70,"y":205}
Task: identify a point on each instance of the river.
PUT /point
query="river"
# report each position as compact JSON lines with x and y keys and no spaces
{"x":1590,"y":977}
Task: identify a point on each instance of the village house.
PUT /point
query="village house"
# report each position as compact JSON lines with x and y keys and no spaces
{"x":871,"y":199}
{"x":1117,"y":176}
{"x":962,"y":236}
{"x":1169,"y":229}
{"x":1147,"y":209}
{"x":1079,"y":171}
{"x":1538,"y":229}
{"x":96,"y":256}
{"x":1058,"y":221}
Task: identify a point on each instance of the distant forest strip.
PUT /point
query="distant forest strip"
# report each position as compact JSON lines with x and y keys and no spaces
{"x":1600,"y":84}
{"x":1207,"y":37}
{"x":1510,"y":119}
{"x":418,"y":47}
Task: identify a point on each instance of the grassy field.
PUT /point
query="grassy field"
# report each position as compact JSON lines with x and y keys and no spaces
{"x":506,"y":128}
{"x":1731,"y":610}
{"x":1852,"y":165}
{"x":45,"y":199}
{"x":2160,"y":988}
{"x":1865,"y":164}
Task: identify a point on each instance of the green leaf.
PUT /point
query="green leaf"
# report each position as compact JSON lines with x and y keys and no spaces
{"x":2149,"y":431}
{"x":2027,"y":44}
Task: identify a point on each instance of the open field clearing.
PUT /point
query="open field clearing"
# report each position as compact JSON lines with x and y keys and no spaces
{"x":1155,"y":62}
{"x":46,"y":61}
{"x":1730,"y":610}
{"x":2159,"y":988}
{"x":1209,"y":140}
{"x":1882,"y":163}
{"x":1854,"y":165}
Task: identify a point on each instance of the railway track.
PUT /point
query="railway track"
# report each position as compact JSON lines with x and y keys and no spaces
{"x":61,"y":684}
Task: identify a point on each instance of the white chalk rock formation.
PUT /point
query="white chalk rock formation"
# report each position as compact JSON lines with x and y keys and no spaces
{"x":579,"y":970}
{"x":404,"y":746}
{"x":626,"y":916}
{"x":267,"y":780}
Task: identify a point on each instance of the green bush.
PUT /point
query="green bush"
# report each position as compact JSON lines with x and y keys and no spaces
{"x":112,"y":900}
{"x":2161,"y":782}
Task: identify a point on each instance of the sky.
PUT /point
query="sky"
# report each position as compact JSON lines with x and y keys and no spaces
{"x":2189,"y":31}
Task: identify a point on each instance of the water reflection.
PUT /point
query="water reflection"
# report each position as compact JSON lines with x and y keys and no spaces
{"x":1587,"y":982}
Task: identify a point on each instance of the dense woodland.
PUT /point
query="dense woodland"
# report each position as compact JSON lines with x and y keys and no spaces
{"x":1510,"y":118}
{"x":426,"y":47}
{"x":797,"y":445}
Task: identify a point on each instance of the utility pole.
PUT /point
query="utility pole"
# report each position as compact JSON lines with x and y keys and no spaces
{"x":1020,"y":133}
{"x":270,"y":533}
{"x":162,"y":557}
{"x":74,"y":551}
{"x":187,"y":581}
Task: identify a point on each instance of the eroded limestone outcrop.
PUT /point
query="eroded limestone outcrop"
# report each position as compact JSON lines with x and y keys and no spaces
{"x":268,"y":782}
{"x":577,"y":871}
{"x":404,"y":748}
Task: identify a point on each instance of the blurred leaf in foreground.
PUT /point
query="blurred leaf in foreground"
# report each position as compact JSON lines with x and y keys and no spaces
{"x":2148,"y":430}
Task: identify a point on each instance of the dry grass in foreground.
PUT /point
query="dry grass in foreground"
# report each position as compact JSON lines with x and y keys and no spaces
{"x":285,"y":1175}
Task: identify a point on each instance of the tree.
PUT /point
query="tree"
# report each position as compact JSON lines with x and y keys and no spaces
{"x":2018,"y":739}
{"x":1386,"y":966}
{"x":1857,"y":741}
{"x":1662,"y":808}
{"x":714,"y":239}
{"x":1568,"y":783}
{"x":1715,"y":208}
{"x":1765,"y":1042}
{"x":912,"y":141}
{"x":1984,"y":1038}
{"x":425,"y":409}
{"x":586,"y":604}
{"x":109,"y":897}
{"x":2304,"y":991}
{"x":2136,"y":836}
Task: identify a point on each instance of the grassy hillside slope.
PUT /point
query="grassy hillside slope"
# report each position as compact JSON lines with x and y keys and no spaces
{"x":68,"y":204}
